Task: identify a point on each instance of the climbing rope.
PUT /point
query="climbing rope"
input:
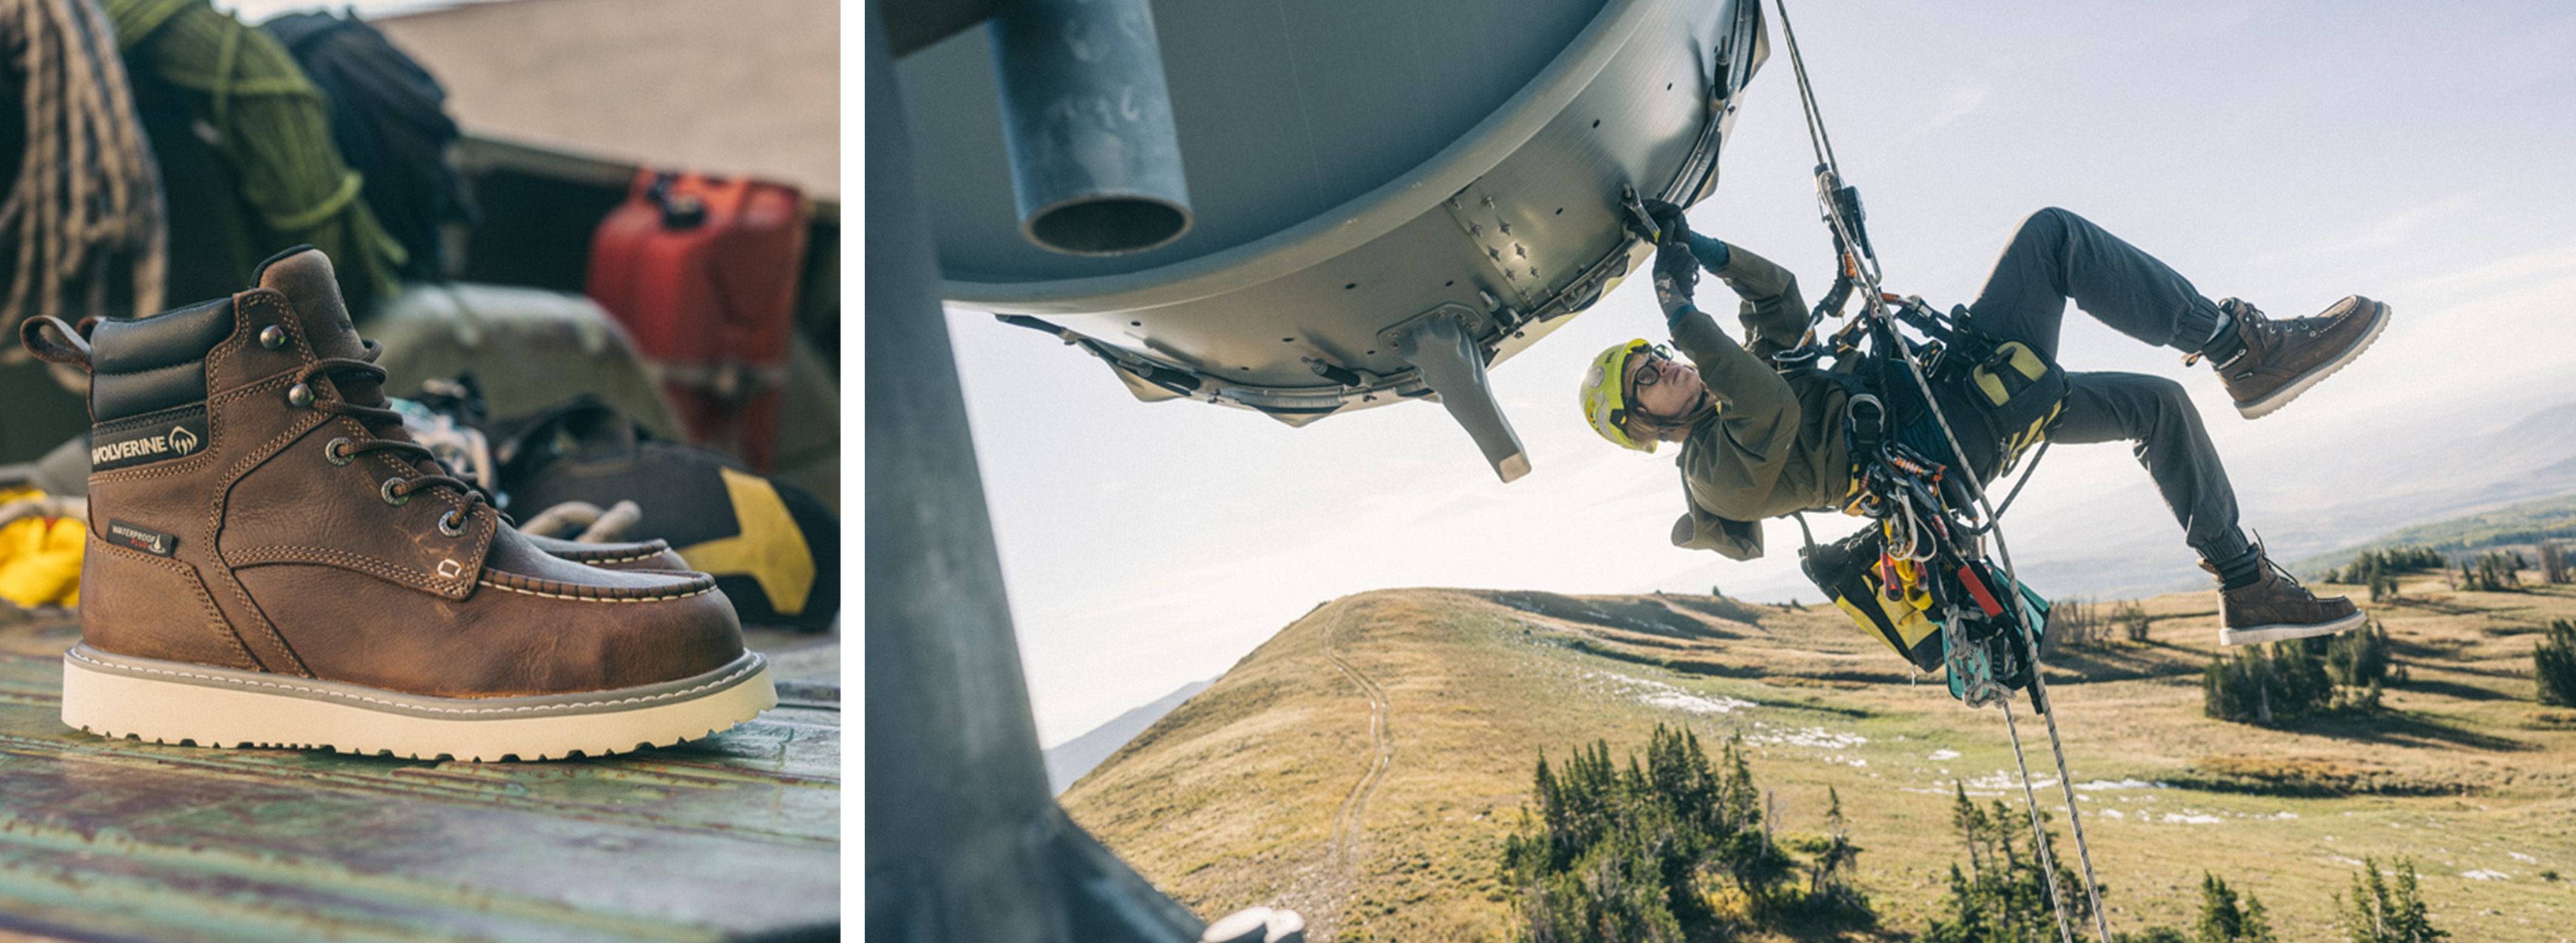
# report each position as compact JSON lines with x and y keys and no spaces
{"x":87,"y":190}
{"x":1862,"y":265}
{"x":272,"y":126}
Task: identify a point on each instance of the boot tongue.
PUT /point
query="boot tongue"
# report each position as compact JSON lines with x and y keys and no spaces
{"x":303,"y":275}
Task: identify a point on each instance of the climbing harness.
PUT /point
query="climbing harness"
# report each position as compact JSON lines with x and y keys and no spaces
{"x":1989,"y":622}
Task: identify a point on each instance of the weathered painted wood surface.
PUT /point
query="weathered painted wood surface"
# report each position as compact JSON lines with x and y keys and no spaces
{"x":734,"y":836}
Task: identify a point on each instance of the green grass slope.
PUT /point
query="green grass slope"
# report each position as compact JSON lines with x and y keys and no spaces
{"x":2513,"y":527}
{"x":1287,"y":783}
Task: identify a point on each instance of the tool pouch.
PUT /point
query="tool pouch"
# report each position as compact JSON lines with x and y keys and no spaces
{"x":2022,"y":392}
{"x":1849,"y":573}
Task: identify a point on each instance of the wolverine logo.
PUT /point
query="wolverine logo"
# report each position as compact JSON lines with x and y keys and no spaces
{"x":155,"y":437}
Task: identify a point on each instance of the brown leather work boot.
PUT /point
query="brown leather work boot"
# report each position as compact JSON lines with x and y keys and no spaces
{"x":2276,"y":607}
{"x":2282,"y":359}
{"x":274,"y":562}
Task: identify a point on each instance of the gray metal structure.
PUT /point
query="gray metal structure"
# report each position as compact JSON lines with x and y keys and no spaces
{"x":1358,"y":169}
{"x":964,"y":840}
{"x":1404,"y":191}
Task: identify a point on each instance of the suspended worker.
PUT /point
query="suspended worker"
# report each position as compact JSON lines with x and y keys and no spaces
{"x":1760,"y":441}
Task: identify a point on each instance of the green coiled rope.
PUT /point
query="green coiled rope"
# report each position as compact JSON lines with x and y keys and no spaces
{"x":273,"y":126}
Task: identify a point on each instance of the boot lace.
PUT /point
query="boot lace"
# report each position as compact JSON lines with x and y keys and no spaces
{"x":2260,"y":330}
{"x":343,"y":450}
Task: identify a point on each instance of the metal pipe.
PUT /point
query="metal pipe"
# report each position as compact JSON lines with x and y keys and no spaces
{"x":1087,"y":116}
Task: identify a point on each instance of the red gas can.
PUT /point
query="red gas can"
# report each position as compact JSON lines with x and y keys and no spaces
{"x":702,"y":270}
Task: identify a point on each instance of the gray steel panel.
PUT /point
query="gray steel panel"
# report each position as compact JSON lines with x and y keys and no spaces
{"x":1518,"y":217}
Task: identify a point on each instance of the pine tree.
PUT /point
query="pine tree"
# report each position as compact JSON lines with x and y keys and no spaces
{"x":2382,"y":912}
{"x":2553,"y":663}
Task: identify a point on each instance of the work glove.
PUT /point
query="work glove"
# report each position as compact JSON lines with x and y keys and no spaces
{"x":1668,"y":219}
{"x":1676,"y":274}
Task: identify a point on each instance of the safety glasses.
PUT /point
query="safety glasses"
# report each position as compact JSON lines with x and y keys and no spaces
{"x":1649,"y":375}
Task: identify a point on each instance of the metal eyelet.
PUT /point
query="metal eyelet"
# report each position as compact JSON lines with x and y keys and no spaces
{"x":386,"y":491}
{"x":272,"y":337}
{"x":454,"y":529}
{"x":299,"y":395}
{"x":337,"y":452}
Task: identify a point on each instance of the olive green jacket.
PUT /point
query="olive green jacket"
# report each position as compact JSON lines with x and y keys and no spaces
{"x":1774,"y":444}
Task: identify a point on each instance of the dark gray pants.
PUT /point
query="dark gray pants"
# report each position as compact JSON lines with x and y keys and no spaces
{"x":2058,"y":256}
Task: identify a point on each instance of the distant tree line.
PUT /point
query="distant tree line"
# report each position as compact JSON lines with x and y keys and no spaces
{"x":2293,"y":679}
{"x":2493,"y":571}
{"x":2377,"y":570}
{"x":2489,"y":571}
{"x":2085,"y":624}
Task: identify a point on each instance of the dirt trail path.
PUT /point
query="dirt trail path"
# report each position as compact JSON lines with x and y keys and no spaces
{"x":1347,"y":825}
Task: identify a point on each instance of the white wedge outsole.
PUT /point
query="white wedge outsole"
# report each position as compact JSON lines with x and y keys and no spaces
{"x":2281,"y":633}
{"x":2282,"y":397}
{"x":175,"y":702}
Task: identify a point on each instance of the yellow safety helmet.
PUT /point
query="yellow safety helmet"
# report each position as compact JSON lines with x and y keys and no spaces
{"x":1605,"y":394}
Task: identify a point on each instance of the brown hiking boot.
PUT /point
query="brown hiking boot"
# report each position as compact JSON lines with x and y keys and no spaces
{"x":273,"y":561}
{"x":2276,"y":607}
{"x":2282,"y":359}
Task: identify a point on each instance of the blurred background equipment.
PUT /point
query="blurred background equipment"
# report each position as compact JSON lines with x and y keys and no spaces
{"x":462,"y":209}
{"x":774,"y":549}
{"x":703,"y":271}
{"x":41,"y":536}
{"x":81,"y":227}
{"x":84,"y":192}
{"x":268,"y":175}
{"x":389,"y":118}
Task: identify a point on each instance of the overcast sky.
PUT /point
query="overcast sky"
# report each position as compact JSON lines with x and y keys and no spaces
{"x":2286,"y":153}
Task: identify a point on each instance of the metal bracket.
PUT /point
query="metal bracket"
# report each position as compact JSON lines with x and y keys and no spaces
{"x":1440,"y":344}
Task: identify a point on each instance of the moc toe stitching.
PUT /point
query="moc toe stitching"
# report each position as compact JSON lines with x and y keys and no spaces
{"x":679,"y":587}
{"x":603,"y":555}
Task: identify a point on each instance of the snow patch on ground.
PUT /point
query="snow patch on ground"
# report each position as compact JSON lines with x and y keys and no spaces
{"x":1938,"y":755}
{"x":2003,"y":779}
{"x":1677,"y":700}
{"x":2519,"y":856}
{"x":1659,"y":694}
{"x":2483,"y":874}
{"x":2193,"y":818}
{"x":2100,"y":784}
{"x":1817,"y":737}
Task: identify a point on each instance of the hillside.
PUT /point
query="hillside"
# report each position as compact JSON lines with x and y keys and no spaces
{"x":1364,"y":765}
{"x":2515,"y":527}
{"x":1067,"y":761}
